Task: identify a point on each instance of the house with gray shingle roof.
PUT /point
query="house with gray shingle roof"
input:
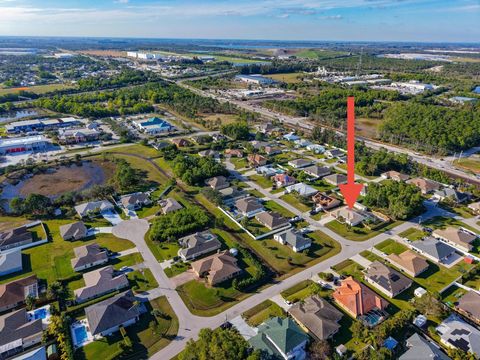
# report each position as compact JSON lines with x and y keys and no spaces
{"x":249,"y":206}
{"x":421,"y":348}
{"x":386,"y":279}
{"x":316,"y":171}
{"x":88,"y":256}
{"x":10,"y":262}
{"x":73,"y":231}
{"x":469,"y":305}
{"x":272,"y":220}
{"x":100,"y":282}
{"x":169,"y":205}
{"x":198,"y":244}
{"x":93,"y":207}
{"x":294,"y":239}
{"x":433,"y":249}
{"x":15,"y":237}
{"x":16,"y":292}
{"x":280,"y":339}
{"x":459,"y":238}
{"x":317,"y":317}
{"x":135,"y":201}
{"x":456,"y":333}
{"x":106,"y":317}
{"x":18,"y":333}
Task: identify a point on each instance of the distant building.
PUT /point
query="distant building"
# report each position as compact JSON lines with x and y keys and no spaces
{"x":395,"y":175}
{"x":291,"y":137}
{"x":280,"y":339}
{"x":180,"y":143}
{"x":335,"y":179}
{"x":348,"y":216}
{"x":426,"y":186}
{"x":386,"y":279}
{"x":169,"y":205}
{"x":36,"y":143}
{"x":77,"y":136}
{"x":316,"y":171}
{"x":469,"y":306}
{"x":325,"y":202}
{"x":218,"y":182}
{"x":282,"y":180}
{"x":135,"y":201}
{"x":300,"y":163}
{"x":41,"y":125}
{"x":249,"y":206}
{"x":334,"y":153}
{"x":255,"y":79}
{"x":272,"y":220}
{"x":234,"y":153}
{"x":450,"y":194}
{"x":93,"y":207}
{"x":216,"y":268}
{"x":301,"y":189}
{"x":463,"y":100}
{"x":475,"y":207}
{"x":317,"y":317}
{"x":257,"y":160}
{"x":153,"y":126}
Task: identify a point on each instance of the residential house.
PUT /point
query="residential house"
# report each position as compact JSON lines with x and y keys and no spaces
{"x":259,"y":145}
{"x":357,"y":299}
{"x":272,"y":220}
{"x":348,"y":216}
{"x":297,"y":241}
{"x":335,"y":179}
{"x":395,"y":175}
{"x":291,"y":137}
{"x":280,"y":339}
{"x":409,"y":262}
{"x":426,"y":186}
{"x":135,"y":201}
{"x":282,"y":180}
{"x":88,"y":256}
{"x":456,"y":333}
{"x":10,"y":262}
{"x":469,"y":306}
{"x":334,"y":153}
{"x":301,"y":143}
{"x":265,"y":128}
{"x":38,"y":353}
{"x":73,"y":231}
{"x":249,"y":206}
{"x":325,"y":202}
{"x":386,"y":279}
{"x":451,"y":194}
{"x":234,"y":153}
{"x":266,"y":171}
{"x":198,"y":244}
{"x":217,"y":268}
{"x":300,"y":163}
{"x":209,"y":153}
{"x":17,"y":333}
{"x":315,"y":148}
{"x":272,"y":150}
{"x":317,"y":317}
{"x":100,"y":282}
{"x":14,"y":238}
{"x":316,"y":171}
{"x":257,"y":160}
{"x":434,"y":249}
{"x":169,"y":205}
{"x":179,"y":143}
{"x":475,"y":207}
{"x":217,"y":182}
{"x":301,"y":189}
{"x":15,"y":292}
{"x":459,"y":238}
{"x":231,"y":194}
{"x":108,"y":316}
{"x":420,"y":348}
{"x":93,"y":207}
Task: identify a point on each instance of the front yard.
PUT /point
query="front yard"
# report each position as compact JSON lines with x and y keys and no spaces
{"x":359,"y":233}
{"x":262,"y":312}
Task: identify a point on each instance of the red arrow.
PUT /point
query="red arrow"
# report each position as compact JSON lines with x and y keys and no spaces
{"x":351,"y":190}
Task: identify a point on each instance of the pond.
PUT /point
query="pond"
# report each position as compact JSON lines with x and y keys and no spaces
{"x":57,"y":181}
{"x":17,"y":115}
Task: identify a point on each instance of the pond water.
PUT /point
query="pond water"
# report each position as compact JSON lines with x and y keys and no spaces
{"x":57,"y":181}
{"x":17,"y":115}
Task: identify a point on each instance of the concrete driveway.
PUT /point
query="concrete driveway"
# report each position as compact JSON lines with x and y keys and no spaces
{"x":183,"y":278}
{"x":112,"y":217}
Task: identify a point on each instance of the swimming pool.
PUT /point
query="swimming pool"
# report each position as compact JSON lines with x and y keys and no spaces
{"x":81,"y":335}
{"x":41,"y":313}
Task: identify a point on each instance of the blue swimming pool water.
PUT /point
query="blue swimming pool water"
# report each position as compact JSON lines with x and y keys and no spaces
{"x":80,"y":334}
{"x":40,"y":314}
{"x":373,"y":319}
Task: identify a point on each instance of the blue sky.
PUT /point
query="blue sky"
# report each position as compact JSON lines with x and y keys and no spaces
{"x":380,"y":20}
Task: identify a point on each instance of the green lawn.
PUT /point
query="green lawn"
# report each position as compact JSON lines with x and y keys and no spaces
{"x":359,"y":233}
{"x":285,"y":261}
{"x":162,"y":250}
{"x":127,"y":260}
{"x":261,"y":180}
{"x":290,"y":78}
{"x":295,"y":202}
{"x":348,"y":267}
{"x":273,"y":206}
{"x":142,"y":280}
{"x":239,"y":163}
{"x":148,"y":336}
{"x":51,"y":261}
{"x":177,"y":268}
{"x":452,"y":294}
{"x":391,"y":246}
{"x":302,"y":290}
{"x":440,"y":222}
{"x":262,"y":312}
{"x":413,"y":234}
{"x":147,"y":211}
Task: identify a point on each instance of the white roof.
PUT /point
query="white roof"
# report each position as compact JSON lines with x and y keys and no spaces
{"x":22,"y":140}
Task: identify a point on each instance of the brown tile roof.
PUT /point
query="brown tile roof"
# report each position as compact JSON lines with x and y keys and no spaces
{"x":470,"y":303}
{"x":219,"y":267}
{"x":410,"y":261}
{"x":271,"y":220}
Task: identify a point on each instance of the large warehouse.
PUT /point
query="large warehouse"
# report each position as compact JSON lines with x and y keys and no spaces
{"x":23,"y":144}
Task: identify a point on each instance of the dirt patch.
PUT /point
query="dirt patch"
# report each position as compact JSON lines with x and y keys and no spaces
{"x":67,"y":178}
{"x":111,"y":53}
{"x":367,"y":127}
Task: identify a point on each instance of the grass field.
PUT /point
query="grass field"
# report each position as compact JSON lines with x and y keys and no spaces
{"x":391,"y":246}
{"x":273,"y":206}
{"x":292,"y":200}
{"x":263,"y":311}
{"x":38,"y":89}
{"x":357,"y":233}
{"x":469,"y":164}
{"x":261,"y":180}
{"x":413,"y":234}
{"x":146,"y":340}
{"x":51,"y":261}
{"x":290,"y":78}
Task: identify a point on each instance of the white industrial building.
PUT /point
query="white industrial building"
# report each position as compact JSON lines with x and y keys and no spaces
{"x":23,"y":144}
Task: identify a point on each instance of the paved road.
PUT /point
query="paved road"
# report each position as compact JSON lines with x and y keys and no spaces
{"x":190,"y":325}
